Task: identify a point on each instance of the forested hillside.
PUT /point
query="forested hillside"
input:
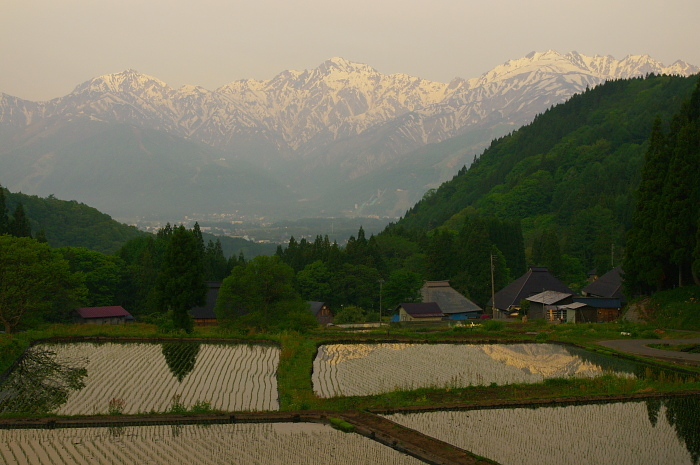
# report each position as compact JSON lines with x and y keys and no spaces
{"x":569,"y":177}
{"x":663,"y":245}
{"x":69,"y":223}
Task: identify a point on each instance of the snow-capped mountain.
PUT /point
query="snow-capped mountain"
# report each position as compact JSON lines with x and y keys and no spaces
{"x":342,"y":118}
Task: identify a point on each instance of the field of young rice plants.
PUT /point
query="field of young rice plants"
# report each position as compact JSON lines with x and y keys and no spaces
{"x":147,"y":377}
{"x":282,"y":443}
{"x":619,"y":433}
{"x":369,"y":369}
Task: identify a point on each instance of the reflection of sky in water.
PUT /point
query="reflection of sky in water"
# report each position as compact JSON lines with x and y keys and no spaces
{"x":550,"y":361}
{"x":339,"y":353}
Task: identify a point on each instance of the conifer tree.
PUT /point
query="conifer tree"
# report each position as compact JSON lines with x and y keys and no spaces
{"x":19,"y":226}
{"x":4,"y":218}
{"x":644,"y":257}
{"x":180,"y":283}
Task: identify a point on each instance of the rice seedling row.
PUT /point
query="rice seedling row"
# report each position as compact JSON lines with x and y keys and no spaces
{"x":227,"y":377}
{"x":296,"y":443}
{"x":369,"y":369}
{"x":618,"y":433}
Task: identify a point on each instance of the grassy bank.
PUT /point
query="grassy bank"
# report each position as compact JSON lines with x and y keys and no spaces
{"x":677,"y":308}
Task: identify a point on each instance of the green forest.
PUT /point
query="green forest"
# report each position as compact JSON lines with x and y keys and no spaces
{"x":607,"y":178}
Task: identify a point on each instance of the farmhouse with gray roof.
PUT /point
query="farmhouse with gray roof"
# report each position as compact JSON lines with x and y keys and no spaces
{"x":453,"y":304}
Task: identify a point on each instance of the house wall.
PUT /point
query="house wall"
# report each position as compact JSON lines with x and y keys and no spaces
{"x":324,"y":316}
{"x":608,"y":314}
{"x":536,"y":311}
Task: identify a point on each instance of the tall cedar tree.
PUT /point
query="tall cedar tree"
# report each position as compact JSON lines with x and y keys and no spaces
{"x":662,"y":247}
{"x":19,"y":226}
{"x":4,"y":218}
{"x":180,"y":283}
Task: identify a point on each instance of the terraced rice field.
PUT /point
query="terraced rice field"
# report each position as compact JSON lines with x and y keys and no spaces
{"x":265,"y":444}
{"x":148,"y":377}
{"x":369,"y":369}
{"x":620,"y":433}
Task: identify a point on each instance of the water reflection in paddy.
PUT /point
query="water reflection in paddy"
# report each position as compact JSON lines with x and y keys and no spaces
{"x":654,"y":432}
{"x":87,"y":378}
{"x":278,"y":443}
{"x":367,"y":369}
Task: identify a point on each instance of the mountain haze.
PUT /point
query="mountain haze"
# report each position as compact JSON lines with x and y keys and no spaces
{"x":339,"y":138}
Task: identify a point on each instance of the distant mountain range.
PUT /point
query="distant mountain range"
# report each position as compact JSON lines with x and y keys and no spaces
{"x":339,"y":139}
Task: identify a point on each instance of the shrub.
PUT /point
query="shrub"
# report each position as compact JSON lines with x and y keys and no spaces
{"x":342,"y":425}
{"x":116,"y":406}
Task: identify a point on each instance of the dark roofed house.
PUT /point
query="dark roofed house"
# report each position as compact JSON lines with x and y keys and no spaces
{"x":419,"y":311}
{"x":113,"y":315}
{"x":322,"y":312}
{"x":609,"y":285}
{"x":204,"y":315}
{"x":537,"y":280}
{"x":453,"y":304}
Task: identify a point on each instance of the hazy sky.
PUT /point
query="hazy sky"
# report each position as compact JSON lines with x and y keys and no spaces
{"x":47,"y":47}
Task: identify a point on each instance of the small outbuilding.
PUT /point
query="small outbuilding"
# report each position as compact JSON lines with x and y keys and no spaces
{"x":322,"y":312}
{"x":543,"y":304}
{"x":113,"y":315}
{"x":419,"y":311}
{"x":598,"y":309}
{"x":204,"y":315}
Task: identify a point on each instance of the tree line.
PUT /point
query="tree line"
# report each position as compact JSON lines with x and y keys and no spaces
{"x":663,"y":245}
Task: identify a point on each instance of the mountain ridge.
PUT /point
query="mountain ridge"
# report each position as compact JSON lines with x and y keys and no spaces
{"x":339,"y":121}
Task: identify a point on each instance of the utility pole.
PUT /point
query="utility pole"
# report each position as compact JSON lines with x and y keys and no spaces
{"x":493,"y":292}
{"x":381,"y":281}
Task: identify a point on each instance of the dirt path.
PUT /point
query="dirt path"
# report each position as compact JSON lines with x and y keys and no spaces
{"x":409,"y":441}
{"x":640,"y":347}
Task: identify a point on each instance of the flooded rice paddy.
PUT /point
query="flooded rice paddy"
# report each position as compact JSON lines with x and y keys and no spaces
{"x":265,"y":444}
{"x":654,"y":432}
{"x":369,"y":369}
{"x":87,"y":378}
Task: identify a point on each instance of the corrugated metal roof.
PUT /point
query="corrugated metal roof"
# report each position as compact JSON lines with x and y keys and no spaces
{"x":549,"y":297}
{"x":573,"y":306}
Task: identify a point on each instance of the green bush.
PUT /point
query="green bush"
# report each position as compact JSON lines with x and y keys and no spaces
{"x":342,"y":425}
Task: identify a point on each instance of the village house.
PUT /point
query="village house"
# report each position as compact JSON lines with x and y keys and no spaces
{"x":608,"y":286}
{"x":453,"y":304}
{"x":322,"y":312}
{"x":419,"y":311}
{"x":537,"y":280}
{"x":113,"y":315}
{"x":204,"y":315}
